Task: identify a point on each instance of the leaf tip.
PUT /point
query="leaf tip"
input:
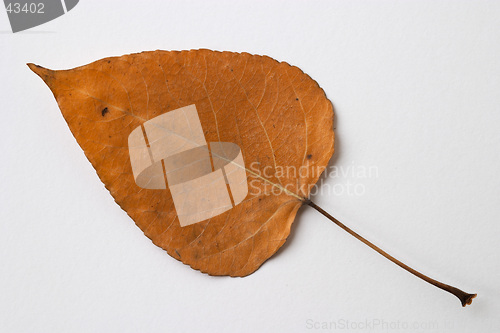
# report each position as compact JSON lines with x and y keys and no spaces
{"x":42,"y":72}
{"x":33,"y":67}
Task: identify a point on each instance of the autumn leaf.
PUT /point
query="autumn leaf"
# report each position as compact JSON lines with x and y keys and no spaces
{"x":210,"y":153}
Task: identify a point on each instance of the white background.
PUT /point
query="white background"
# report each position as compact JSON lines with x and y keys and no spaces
{"x":416,"y":87}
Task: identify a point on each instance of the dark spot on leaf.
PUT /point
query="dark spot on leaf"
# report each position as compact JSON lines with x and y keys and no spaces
{"x":177,"y":253}
{"x":104,"y":111}
{"x":309,"y":156}
{"x":296,"y":99}
{"x":231,"y":69}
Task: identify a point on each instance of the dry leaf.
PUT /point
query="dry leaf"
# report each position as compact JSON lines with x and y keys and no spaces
{"x":277,"y":115}
{"x":210,"y":153}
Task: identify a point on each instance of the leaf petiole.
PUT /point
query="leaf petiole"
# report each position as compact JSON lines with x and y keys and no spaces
{"x":464,"y":297}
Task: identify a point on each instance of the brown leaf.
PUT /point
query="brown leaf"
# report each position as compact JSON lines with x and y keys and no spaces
{"x":278,"y":116}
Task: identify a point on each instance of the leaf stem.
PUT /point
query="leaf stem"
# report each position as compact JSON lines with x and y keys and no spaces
{"x":464,"y":297}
